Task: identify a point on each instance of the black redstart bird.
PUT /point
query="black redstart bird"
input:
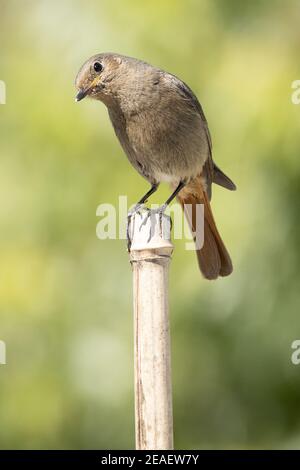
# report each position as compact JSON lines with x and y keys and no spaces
{"x":164,"y":133}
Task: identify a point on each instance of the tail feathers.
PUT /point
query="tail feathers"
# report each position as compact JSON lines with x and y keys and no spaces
{"x":208,"y":257}
{"x":213,"y":258}
{"x":222,"y":180}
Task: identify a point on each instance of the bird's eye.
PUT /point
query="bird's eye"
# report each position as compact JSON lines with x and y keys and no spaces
{"x":98,"y":67}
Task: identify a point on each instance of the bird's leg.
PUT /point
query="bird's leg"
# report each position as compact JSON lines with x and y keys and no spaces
{"x":174,"y":194}
{"x":136,"y":208}
{"x":144,"y":199}
{"x":160,"y":210}
{"x":151,"y":191}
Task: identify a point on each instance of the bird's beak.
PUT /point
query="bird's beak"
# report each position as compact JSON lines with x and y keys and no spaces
{"x":81,"y":94}
{"x":84,"y":92}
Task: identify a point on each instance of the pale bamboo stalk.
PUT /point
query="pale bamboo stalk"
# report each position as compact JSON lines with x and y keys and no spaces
{"x":150,"y":256}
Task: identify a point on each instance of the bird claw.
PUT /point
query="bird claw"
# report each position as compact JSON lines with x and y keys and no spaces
{"x":137,"y":209}
{"x":150,"y":213}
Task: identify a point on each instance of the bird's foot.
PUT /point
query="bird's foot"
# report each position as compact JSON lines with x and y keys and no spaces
{"x":137,"y":208}
{"x":152,"y":213}
{"x":148,"y":213}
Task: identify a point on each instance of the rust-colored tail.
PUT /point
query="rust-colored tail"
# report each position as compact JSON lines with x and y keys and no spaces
{"x":213,"y":258}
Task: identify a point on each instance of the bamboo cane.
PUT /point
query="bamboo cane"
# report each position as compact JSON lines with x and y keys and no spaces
{"x":150,"y":255}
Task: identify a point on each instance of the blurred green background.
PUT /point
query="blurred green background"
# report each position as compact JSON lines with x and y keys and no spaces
{"x":66,"y":305}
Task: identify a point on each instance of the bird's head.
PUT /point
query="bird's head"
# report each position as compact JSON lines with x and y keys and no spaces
{"x":97,"y":76}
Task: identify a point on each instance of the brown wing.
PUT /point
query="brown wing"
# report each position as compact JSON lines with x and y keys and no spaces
{"x":211,"y":173}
